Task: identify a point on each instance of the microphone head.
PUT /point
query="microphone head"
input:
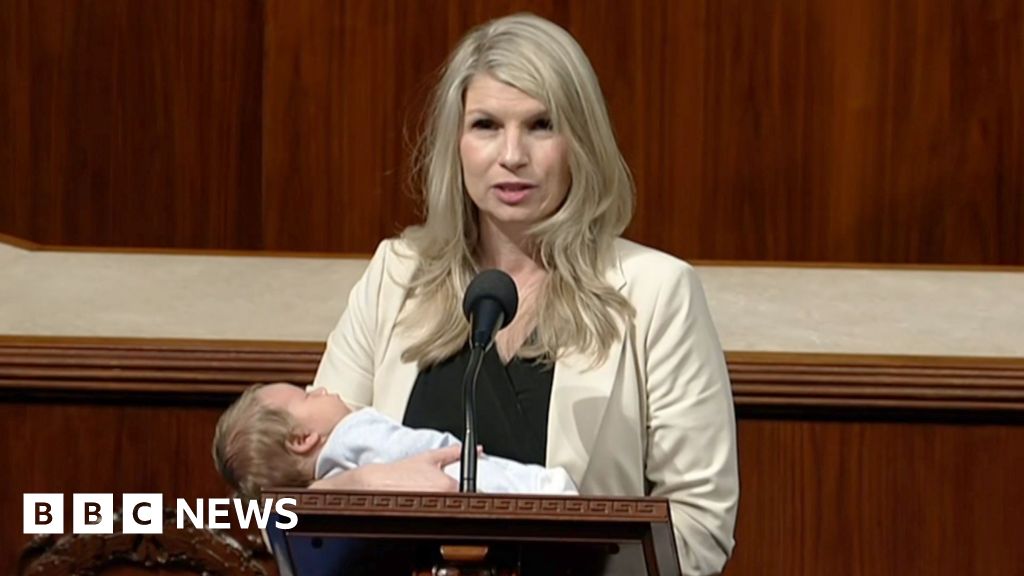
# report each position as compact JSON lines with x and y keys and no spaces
{"x":493,"y":285}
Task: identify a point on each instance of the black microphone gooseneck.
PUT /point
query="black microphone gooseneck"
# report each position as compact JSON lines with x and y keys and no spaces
{"x":467,"y":463}
{"x":490,"y":304}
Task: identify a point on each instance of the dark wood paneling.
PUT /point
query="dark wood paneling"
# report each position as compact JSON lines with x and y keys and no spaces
{"x":853,"y":131}
{"x":819,"y":130}
{"x":876,"y":498}
{"x":95,"y":447}
{"x":15,"y":213}
{"x":332,"y":119}
{"x":849,"y":464}
{"x":131,"y":123}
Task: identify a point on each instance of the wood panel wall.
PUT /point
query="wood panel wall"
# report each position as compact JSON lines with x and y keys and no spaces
{"x":864,"y":131}
{"x":131,"y":123}
{"x":849,"y":465}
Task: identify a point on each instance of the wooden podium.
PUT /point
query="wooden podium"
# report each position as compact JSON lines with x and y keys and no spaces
{"x":418,"y":534}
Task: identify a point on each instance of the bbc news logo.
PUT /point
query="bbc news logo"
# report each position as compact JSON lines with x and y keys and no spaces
{"x":143,"y":513}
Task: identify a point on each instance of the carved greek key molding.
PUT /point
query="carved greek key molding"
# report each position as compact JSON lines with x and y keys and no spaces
{"x":476,"y":506}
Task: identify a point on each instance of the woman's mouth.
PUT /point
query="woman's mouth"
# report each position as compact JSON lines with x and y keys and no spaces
{"x":513,"y":192}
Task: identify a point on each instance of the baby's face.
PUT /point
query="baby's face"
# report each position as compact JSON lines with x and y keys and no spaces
{"x":316,"y":411}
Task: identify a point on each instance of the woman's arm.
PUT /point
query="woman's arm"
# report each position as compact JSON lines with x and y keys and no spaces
{"x":691,"y":445}
{"x":421,"y":473}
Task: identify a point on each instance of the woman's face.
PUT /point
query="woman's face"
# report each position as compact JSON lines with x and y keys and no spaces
{"x":514,"y":166}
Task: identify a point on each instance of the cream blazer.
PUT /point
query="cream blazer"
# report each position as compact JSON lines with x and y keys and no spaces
{"x":655,"y":419}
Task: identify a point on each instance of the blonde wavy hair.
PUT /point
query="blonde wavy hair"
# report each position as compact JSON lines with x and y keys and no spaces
{"x":578,"y":309}
{"x":250,"y":447}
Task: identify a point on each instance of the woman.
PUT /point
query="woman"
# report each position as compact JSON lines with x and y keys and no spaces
{"x":612,"y":368}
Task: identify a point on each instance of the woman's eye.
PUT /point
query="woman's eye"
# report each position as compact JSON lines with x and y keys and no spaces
{"x":543,"y":124}
{"x":483,"y":124}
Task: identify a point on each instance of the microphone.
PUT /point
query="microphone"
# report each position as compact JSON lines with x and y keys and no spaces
{"x":490,"y":304}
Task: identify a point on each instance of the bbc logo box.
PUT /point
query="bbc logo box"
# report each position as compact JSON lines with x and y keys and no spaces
{"x":92,"y":513}
{"x":143,"y":513}
{"x":43,"y":514}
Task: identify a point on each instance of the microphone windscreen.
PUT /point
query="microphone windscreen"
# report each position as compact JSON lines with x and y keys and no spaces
{"x":493,"y":285}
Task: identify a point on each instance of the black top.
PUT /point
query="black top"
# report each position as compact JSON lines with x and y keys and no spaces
{"x":512,"y":404}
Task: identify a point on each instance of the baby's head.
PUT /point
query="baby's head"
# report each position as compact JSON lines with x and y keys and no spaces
{"x":272,"y":435}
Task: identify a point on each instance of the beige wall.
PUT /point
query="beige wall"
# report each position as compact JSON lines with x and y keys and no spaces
{"x":792,"y":309}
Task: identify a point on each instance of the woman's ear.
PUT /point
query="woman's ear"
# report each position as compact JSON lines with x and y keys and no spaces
{"x":302,"y":442}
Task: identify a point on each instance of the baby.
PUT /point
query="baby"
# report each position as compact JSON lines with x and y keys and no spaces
{"x":282,"y":435}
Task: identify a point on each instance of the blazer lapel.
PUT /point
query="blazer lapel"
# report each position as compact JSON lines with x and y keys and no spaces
{"x":394,"y":378}
{"x":579,"y":398}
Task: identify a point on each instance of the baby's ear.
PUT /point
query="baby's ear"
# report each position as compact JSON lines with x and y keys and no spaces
{"x":302,"y":442}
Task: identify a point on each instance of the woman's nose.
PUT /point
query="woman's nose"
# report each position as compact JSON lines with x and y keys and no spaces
{"x":514,"y":155}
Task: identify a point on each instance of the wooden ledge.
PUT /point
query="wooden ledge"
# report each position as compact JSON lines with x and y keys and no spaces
{"x":96,"y":369}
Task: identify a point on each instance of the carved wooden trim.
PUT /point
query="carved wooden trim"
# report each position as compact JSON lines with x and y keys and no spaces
{"x":31,"y":246}
{"x":98,"y":369}
{"x":489,"y":506}
{"x":17,"y":242}
{"x":912,"y":383}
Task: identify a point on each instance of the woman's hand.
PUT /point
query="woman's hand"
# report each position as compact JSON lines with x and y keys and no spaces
{"x":421,"y":473}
